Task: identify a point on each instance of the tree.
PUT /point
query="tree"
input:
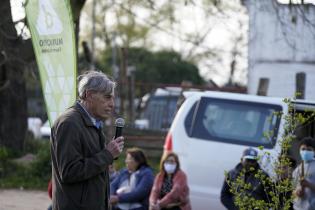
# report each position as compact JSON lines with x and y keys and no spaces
{"x":140,"y":23}
{"x":16,"y":55}
{"x":167,"y":67}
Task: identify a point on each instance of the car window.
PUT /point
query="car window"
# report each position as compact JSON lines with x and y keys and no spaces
{"x":233,"y":121}
{"x":160,"y":112}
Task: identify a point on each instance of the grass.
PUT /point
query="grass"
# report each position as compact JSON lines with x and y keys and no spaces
{"x":36,"y":174}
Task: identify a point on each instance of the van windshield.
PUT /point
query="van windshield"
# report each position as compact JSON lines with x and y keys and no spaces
{"x":236,"y":122}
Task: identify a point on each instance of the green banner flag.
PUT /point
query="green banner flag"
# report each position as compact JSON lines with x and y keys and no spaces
{"x":52,"y":31}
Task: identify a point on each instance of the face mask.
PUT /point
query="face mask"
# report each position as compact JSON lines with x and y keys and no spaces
{"x":169,"y":168}
{"x":307,"y":155}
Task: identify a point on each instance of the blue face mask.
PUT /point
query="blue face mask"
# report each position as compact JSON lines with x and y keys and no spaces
{"x":307,"y":155}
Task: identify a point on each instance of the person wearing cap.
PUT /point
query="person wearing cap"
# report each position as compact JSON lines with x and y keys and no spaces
{"x":250,"y":167}
{"x":304,"y":177}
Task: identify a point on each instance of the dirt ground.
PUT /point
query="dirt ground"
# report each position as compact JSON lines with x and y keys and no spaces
{"x":15,"y":199}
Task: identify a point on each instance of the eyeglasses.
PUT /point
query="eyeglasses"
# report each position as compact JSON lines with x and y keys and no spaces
{"x":129,"y":160}
{"x":170,"y":161}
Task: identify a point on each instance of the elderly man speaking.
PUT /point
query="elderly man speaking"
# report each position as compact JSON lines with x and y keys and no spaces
{"x":80,"y":156}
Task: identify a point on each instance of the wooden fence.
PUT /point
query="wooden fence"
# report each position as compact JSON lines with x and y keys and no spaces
{"x":152,"y":145}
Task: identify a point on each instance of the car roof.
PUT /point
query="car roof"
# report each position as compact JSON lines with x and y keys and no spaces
{"x":226,"y":95}
{"x":246,"y":97}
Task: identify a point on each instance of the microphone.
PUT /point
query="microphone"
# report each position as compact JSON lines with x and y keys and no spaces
{"x":119,"y":124}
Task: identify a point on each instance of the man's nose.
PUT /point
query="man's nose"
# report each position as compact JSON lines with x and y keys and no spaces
{"x":112,"y":102}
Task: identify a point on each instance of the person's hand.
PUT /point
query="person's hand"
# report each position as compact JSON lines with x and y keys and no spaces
{"x":113,"y":199}
{"x":154,"y":206}
{"x":305,"y":183}
{"x":123,"y":190}
{"x":116,"y":146}
{"x":299,"y":192}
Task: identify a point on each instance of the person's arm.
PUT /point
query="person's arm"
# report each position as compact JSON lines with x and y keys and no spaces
{"x":155,"y":191}
{"x":297,"y":191}
{"x":179,"y":192}
{"x":71,"y":165}
{"x":226,"y":196}
{"x":50,"y":189}
{"x":115,"y":183}
{"x":141,"y":190}
{"x":308,"y":184}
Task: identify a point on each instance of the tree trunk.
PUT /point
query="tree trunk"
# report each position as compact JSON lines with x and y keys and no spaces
{"x":15,"y":55}
{"x":13,"y":106}
{"x":76,"y":7}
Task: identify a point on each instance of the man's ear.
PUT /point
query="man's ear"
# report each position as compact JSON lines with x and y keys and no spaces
{"x":89,"y":95}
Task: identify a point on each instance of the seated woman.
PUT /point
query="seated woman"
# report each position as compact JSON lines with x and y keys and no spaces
{"x":131,"y":188}
{"x":170,"y":189}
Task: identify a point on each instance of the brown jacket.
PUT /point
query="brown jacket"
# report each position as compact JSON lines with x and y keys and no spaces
{"x":178,"y":194}
{"x":79,"y":163}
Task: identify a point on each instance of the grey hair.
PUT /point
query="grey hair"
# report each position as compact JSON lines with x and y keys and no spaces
{"x":96,"y":81}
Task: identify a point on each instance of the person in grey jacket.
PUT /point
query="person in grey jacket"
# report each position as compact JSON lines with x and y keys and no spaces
{"x":80,"y":155}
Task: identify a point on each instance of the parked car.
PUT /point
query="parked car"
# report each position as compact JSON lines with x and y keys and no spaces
{"x":158,"y":109}
{"x":33,"y":125}
{"x":45,"y":130}
{"x":211,"y":130}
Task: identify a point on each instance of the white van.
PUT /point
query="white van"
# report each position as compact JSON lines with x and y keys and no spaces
{"x":211,"y":130}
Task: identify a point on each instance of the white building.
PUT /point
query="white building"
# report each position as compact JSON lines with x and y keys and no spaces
{"x":281,"y":48}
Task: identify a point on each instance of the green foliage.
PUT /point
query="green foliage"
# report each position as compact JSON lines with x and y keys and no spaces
{"x":160,"y":67}
{"x":35,"y":174}
{"x":279,"y":186}
{"x":41,"y":168}
{"x":3,"y":160}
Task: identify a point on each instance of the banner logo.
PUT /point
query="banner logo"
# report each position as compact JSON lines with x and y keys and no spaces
{"x":48,"y":22}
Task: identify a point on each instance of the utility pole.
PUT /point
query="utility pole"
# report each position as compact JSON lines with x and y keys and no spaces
{"x":115,"y":71}
{"x":131,"y":92}
{"x":93,"y":35}
{"x":123,"y":80}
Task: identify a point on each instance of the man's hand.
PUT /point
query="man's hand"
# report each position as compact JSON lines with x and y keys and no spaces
{"x":155,"y":206}
{"x":113,"y":199}
{"x":299,"y":192}
{"x":116,"y":146}
{"x":305,"y":183}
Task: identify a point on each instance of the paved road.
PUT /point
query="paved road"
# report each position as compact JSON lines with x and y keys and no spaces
{"x":14,"y":199}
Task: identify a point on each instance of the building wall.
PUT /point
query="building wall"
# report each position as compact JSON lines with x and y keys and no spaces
{"x":281,"y":44}
{"x":282,"y":79}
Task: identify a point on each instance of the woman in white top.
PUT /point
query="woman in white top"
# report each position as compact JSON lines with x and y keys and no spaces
{"x":130,"y":190}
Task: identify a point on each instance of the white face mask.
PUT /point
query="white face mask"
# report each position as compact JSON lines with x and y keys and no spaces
{"x":170,"y":167}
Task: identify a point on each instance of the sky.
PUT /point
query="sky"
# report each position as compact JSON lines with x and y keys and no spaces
{"x":222,"y":31}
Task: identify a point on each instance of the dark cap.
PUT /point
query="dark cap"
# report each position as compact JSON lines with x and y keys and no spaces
{"x":250,"y":153}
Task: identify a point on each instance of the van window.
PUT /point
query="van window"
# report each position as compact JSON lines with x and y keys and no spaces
{"x":235,"y":122}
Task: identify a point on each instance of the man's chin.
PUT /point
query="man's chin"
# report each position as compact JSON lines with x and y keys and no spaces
{"x":106,"y":116}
